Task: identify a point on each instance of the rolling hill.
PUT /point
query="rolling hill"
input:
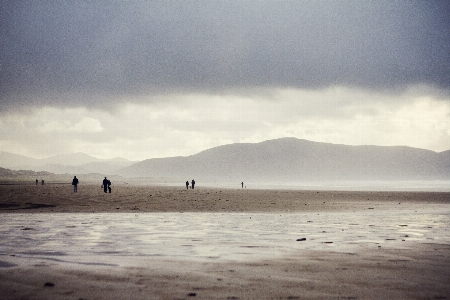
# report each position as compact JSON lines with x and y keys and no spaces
{"x":72,"y":163}
{"x":291,"y":160}
{"x":287,"y":160}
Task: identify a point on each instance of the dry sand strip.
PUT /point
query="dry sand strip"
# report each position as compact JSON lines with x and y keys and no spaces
{"x":420,"y":272}
{"x":127,"y":198}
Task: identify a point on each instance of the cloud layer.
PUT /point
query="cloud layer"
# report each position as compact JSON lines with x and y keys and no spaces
{"x":140,"y":131}
{"x":94,"y":54}
{"x":143,"y":79}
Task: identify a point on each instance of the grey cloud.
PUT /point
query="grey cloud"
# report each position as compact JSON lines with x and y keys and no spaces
{"x":88,"y":51}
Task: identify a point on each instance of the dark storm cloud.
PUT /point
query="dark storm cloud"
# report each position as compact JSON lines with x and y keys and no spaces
{"x":57,"y":50}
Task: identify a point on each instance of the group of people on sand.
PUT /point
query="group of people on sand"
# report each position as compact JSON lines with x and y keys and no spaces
{"x":106,"y":184}
{"x":192,"y":182}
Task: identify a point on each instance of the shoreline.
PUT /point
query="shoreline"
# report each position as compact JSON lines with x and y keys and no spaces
{"x":334,"y":185}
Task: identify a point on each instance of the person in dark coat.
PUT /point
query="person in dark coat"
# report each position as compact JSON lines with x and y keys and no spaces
{"x":193,"y":183}
{"x":75,"y":183}
{"x":187,"y":185}
{"x":105,"y":185}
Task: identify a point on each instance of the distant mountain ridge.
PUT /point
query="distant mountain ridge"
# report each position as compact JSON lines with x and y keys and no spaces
{"x":291,"y":159}
{"x":72,"y":163}
{"x":279,"y":160}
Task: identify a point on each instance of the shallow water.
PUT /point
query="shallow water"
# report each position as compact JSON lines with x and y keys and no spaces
{"x":342,"y":185}
{"x":109,"y":239}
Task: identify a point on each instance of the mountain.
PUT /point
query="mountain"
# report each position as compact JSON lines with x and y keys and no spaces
{"x":280,"y":160}
{"x":11,"y":161}
{"x":291,"y":160}
{"x":73,"y":163}
{"x":71,"y":159}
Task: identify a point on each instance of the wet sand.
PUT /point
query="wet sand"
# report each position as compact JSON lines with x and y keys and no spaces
{"x":171,"y":243}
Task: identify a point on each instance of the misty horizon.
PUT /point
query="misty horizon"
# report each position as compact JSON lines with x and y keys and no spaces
{"x":137,"y":160}
{"x":284,"y":163}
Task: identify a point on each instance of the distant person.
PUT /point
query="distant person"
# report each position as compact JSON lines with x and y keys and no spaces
{"x":109,"y":186}
{"x":242,"y":184}
{"x":42,"y":181}
{"x":193,"y":183}
{"x":105,"y":185}
{"x":37,"y":181}
{"x":187,"y":184}
{"x":75,"y":183}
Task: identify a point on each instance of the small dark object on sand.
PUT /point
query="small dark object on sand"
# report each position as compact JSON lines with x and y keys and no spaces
{"x":302,"y":239}
{"x":49,"y":284}
{"x":192,"y":294}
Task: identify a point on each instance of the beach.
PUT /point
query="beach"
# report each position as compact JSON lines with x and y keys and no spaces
{"x":162,"y":242}
{"x":52,"y":198}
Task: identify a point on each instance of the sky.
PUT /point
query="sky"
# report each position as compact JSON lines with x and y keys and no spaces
{"x":146,"y":79}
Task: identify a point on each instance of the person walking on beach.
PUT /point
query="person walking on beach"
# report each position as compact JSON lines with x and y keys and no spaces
{"x":193,"y":183}
{"x":242,"y":184}
{"x":109,"y":186}
{"x":37,"y":181}
{"x":105,"y":185}
{"x":75,"y":183}
{"x":187,"y":184}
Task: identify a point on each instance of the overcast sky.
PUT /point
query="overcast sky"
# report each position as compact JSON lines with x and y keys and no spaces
{"x":144,"y":79}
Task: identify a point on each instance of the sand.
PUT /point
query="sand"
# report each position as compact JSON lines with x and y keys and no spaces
{"x":154,"y":242}
{"x":128,"y":198}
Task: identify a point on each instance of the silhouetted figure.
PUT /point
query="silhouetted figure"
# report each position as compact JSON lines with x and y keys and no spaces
{"x":187,"y":185}
{"x":242,"y":184}
{"x":75,"y":183}
{"x":37,"y":181}
{"x":193,"y":183}
{"x":109,"y":186}
{"x":105,"y":185}
{"x":42,"y":181}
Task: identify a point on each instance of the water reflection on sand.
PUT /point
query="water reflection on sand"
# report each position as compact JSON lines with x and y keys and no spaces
{"x":103,"y":237}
